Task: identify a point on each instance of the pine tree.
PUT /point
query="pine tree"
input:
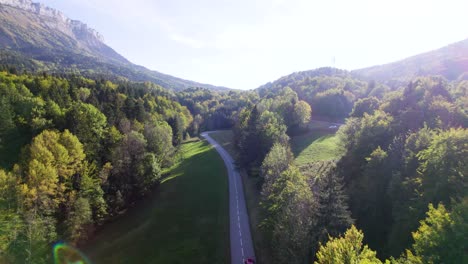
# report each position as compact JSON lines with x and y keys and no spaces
{"x":250,"y":143}
{"x":333,"y":214}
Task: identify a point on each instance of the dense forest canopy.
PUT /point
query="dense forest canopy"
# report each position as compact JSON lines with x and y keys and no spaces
{"x":76,"y":152}
{"x":85,"y":135}
{"x":404,"y":148}
{"x":331,"y":92}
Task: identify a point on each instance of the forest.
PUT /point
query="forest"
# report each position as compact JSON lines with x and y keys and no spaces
{"x":77,"y":152}
{"x":399,"y":188}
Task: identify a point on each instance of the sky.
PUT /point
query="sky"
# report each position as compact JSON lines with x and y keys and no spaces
{"x":243,"y":44}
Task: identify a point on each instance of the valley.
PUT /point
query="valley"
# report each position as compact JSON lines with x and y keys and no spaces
{"x":104,"y":159}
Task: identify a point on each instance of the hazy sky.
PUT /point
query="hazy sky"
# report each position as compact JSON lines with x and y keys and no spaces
{"x":246,"y":43}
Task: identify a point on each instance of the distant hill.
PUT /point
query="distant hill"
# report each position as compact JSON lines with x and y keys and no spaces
{"x":38,"y":38}
{"x":450,"y":61}
{"x":296,"y":79}
{"x":331,"y":92}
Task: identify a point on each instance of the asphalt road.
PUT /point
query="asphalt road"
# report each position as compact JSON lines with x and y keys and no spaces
{"x":241,"y":239}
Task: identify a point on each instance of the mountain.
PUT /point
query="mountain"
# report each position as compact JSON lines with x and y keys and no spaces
{"x":38,"y":38}
{"x":450,"y":61}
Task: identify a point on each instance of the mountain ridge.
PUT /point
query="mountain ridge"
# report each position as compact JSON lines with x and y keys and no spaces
{"x":450,"y":61}
{"x":43,"y":39}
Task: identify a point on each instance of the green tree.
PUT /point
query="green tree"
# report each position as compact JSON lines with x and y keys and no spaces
{"x":302,"y":113}
{"x":10,"y":220}
{"x":159,"y":138}
{"x":79,"y":217}
{"x":347,"y":249}
{"x":177,"y":125}
{"x":34,"y":239}
{"x":149,"y":173}
{"x":246,"y":135}
{"x":270,"y":128}
{"x":332,"y":103}
{"x":370,"y":200}
{"x":289,"y":217}
{"x":276,"y":162}
{"x":55,"y":114}
{"x":90,"y":189}
{"x":333,"y":215}
{"x":365,"y":105}
{"x":442,"y":237}
{"x":402,"y":188}
{"x":89,"y":125}
{"x":443,"y":167}
{"x":129,"y":168}
{"x":52,"y":161}
{"x":6,"y":118}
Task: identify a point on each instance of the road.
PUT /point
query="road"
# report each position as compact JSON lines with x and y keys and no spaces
{"x":240,"y":237}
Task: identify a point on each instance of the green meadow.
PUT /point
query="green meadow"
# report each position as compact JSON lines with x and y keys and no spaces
{"x":184,"y":221}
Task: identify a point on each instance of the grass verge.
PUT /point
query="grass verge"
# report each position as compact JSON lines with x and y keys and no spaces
{"x":185,"y":221}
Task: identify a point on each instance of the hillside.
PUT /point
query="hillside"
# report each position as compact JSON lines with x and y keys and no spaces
{"x":331,"y":92}
{"x":36,"y":38}
{"x":450,"y":61}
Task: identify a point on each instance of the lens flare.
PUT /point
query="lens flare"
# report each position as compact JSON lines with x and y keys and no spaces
{"x":66,"y":254}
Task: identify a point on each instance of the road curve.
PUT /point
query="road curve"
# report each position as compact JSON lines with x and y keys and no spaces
{"x":241,"y":239}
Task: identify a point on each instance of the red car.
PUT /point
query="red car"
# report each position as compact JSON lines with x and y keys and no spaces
{"x":249,"y":261}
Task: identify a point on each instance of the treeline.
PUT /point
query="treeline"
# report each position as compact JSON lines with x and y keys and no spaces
{"x":409,"y":151}
{"x":271,"y":120}
{"x":295,"y":204}
{"x":331,"y":92}
{"x":76,"y":152}
{"x":403,"y":151}
{"x":64,"y":61}
{"x":213,"y":110}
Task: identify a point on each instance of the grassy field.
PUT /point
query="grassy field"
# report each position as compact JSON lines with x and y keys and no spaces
{"x":185,"y":221}
{"x":315,"y":145}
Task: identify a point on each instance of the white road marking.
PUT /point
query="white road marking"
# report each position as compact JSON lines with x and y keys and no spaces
{"x":233,"y":177}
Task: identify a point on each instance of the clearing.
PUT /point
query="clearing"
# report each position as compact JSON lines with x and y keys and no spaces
{"x":320,"y":143}
{"x":316,"y":145}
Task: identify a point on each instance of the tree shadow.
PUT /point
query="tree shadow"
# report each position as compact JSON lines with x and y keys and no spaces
{"x":300,"y":143}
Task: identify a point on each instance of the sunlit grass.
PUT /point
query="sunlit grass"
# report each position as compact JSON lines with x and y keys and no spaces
{"x":319,"y":144}
{"x":184,"y":221}
{"x":315,"y":146}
